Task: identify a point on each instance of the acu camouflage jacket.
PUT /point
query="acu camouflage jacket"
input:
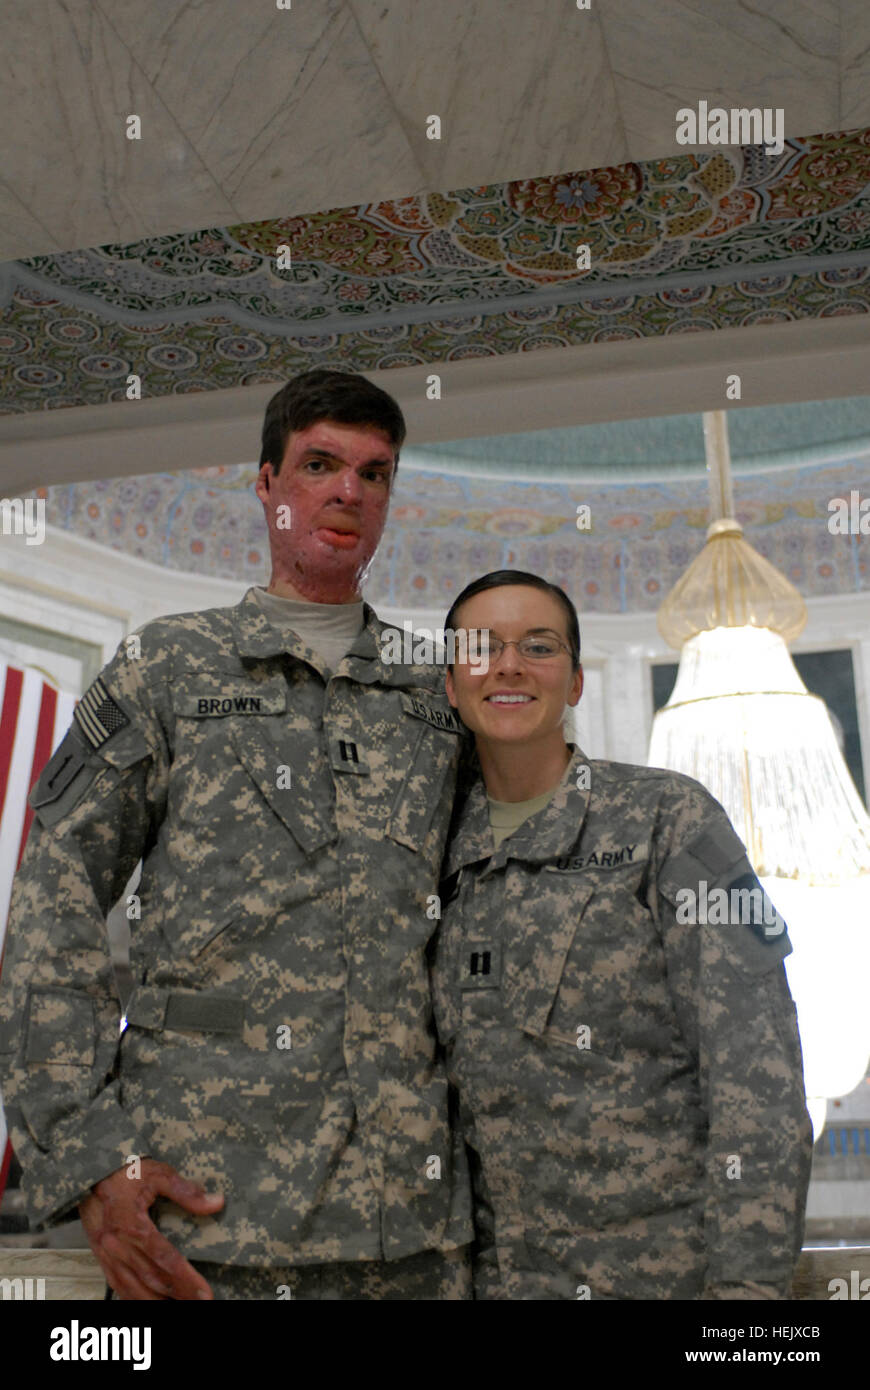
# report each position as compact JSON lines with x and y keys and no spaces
{"x":630,"y":1078}
{"x":280,"y":1044}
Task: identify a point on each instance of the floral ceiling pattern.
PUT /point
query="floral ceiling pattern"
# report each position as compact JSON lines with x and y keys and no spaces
{"x":687,"y":244}
{"x":445,"y":529}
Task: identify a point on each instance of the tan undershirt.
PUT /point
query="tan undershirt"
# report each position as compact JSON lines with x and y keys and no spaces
{"x":506,"y":816}
{"x":330,"y":629}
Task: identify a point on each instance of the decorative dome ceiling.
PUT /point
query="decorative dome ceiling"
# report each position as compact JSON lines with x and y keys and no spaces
{"x":762,"y":438}
{"x":448,"y":523}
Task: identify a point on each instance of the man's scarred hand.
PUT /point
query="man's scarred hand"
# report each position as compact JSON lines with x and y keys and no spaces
{"x":138,"y":1262}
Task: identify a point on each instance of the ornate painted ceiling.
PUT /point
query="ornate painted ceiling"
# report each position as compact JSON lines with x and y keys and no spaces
{"x":693,"y":243}
{"x":687,"y":244}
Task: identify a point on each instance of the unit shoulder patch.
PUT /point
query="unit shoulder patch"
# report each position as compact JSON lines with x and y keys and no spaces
{"x":63,"y":781}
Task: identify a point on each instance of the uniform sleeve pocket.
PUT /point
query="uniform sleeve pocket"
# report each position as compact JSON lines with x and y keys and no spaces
{"x":747,"y":955}
{"x":61,"y":1028}
{"x":125,"y":749}
{"x":749,"y":1223}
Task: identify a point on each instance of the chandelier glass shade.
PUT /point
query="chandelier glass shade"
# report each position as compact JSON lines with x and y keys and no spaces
{"x":730,"y":585}
{"x":741,"y":721}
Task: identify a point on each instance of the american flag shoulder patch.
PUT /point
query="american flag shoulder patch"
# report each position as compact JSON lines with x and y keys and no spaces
{"x":98,"y":715}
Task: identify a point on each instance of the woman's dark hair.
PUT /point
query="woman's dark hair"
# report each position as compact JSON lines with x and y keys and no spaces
{"x":497,"y":579}
{"x":326,"y":394}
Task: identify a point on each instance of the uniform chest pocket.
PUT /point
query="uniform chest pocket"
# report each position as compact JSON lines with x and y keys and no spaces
{"x":237,"y":762}
{"x":555,"y":989}
{"x":614,"y":983}
{"x":423,"y":799}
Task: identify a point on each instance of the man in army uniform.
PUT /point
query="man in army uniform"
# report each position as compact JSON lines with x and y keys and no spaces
{"x":610,"y":988}
{"x":288,"y":793}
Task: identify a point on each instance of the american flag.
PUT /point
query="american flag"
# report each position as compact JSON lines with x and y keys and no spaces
{"x":34,"y":716}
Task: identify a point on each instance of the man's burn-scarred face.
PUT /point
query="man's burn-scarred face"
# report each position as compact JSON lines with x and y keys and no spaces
{"x":326,"y":509}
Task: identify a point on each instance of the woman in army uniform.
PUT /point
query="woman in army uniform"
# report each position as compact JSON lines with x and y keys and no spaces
{"x":629,"y":1074}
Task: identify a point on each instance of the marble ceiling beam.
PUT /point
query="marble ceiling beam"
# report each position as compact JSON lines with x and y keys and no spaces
{"x":268,"y":99}
{"x":69,"y":84}
{"x":854,"y":62}
{"x":779,"y":53}
{"x":250,"y":112}
{"x":524,"y":89}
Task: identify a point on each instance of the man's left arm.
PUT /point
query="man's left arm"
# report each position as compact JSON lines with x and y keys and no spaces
{"x":735,"y":1009}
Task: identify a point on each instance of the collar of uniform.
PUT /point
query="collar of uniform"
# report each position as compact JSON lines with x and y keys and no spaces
{"x":549,"y":834}
{"x":256,"y":637}
{"x":363,"y":662}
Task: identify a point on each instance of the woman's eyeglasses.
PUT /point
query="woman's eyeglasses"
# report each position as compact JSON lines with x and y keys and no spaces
{"x":533,"y":648}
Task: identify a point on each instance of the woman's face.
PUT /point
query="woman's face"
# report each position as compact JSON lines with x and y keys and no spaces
{"x":488,"y":702}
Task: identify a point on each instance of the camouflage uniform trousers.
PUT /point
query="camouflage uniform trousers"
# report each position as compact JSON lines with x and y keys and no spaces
{"x":429,"y":1275}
